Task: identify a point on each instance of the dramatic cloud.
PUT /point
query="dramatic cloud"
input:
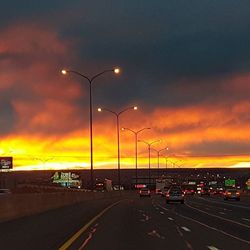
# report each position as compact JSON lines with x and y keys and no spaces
{"x":184,"y":64}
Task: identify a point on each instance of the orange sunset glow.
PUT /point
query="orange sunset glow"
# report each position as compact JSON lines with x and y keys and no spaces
{"x":45,"y":115}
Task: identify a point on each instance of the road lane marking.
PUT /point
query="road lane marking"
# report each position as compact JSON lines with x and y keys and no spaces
{"x":222,"y":213}
{"x":189,"y":246}
{"x":224,"y":203}
{"x":71,"y":240}
{"x":245,"y":219}
{"x":216,"y":216}
{"x":212,"y":248}
{"x":156,"y":234}
{"x":213,"y":228}
{"x":88,"y":239}
{"x":186,"y":229}
{"x":162,"y":213}
{"x":170,"y":218}
{"x":179,"y":231}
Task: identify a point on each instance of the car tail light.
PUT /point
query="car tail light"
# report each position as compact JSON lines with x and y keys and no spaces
{"x":167,"y":195}
{"x":237,"y":193}
{"x":229,"y":193}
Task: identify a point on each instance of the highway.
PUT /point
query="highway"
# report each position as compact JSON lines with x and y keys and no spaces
{"x":132,"y":222}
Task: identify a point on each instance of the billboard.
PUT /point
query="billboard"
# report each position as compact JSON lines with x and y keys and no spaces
{"x":6,"y":162}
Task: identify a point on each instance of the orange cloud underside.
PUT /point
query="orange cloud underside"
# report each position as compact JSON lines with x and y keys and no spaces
{"x":51,"y":131}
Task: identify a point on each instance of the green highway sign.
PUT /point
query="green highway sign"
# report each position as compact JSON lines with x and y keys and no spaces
{"x":229,"y":183}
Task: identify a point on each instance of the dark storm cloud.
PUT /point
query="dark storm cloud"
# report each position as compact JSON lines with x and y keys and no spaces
{"x":157,"y":43}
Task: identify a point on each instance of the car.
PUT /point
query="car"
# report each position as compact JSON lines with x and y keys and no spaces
{"x":175,"y":194}
{"x":190,"y":191}
{"x":158,"y":191}
{"x":205,"y":191}
{"x":145,"y":192}
{"x":5,"y":191}
{"x":164,"y":191}
{"x":231,"y":194}
{"x":217,"y":191}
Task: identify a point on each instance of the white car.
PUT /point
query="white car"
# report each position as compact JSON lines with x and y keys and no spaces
{"x":175,"y":194}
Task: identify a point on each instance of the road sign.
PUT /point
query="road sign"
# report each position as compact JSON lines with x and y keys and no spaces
{"x":230,"y":183}
{"x":6,"y":162}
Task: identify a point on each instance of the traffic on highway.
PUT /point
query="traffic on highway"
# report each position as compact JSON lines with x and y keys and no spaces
{"x":137,"y":220}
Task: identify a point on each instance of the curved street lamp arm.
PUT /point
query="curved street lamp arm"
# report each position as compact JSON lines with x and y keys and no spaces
{"x":108,"y":110}
{"x":144,"y":142}
{"x":136,"y":132}
{"x":129,"y":130}
{"x":154,"y":142}
{"x":142,"y":130}
{"x":77,"y":73}
{"x":125,"y":110}
{"x":103,"y":72}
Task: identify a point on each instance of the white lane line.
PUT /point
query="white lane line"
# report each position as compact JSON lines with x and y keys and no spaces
{"x":213,"y":228}
{"x":162,"y":213}
{"x":225,"y":209}
{"x":186,"y":229}
{"x":179,"y":231}
{"x":212,"y":248}
{"x":245,"y":219}
{"x":222,"y":213}
{"x":170,"y":218}
{"x":216,"y":216}
{"x":224,"y":203}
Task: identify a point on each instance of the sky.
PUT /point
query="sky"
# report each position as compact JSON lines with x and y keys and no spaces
{"x":185,"y":64}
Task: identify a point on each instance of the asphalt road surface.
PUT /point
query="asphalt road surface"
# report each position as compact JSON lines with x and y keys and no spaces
{"x":135,"y":223}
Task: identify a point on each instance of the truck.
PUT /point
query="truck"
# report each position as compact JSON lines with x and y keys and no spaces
{"x":161,"y":184}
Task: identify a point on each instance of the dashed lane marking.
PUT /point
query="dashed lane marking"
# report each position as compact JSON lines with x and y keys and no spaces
{"x":179,"y":231}
{"x":213,"y":228}
{"x":245,"y":219}
{"x":170,"y":218}
{"x":186,"y":229}
{"x":216,"y":216}
{"x":222,"y":213}
{"x":162,"y":213}
{"x":224,"y":203}
{"x":212,"y":248}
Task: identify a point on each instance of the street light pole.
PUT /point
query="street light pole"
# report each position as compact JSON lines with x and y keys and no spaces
{"x":118,"y":136}
{"x":90,"y":81}
{"x":158,"y":156}
{"x":136,"y":140}
{"x":149,"y":149}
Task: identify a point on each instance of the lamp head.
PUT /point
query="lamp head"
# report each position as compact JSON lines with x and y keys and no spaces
{"x":64,"y":71}
{"x":116,"y":70}
{"x":135,"y":108}
{"x":99,"y":110}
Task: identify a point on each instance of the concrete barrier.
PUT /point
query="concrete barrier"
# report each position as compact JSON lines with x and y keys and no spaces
{"x":19,"y":205}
